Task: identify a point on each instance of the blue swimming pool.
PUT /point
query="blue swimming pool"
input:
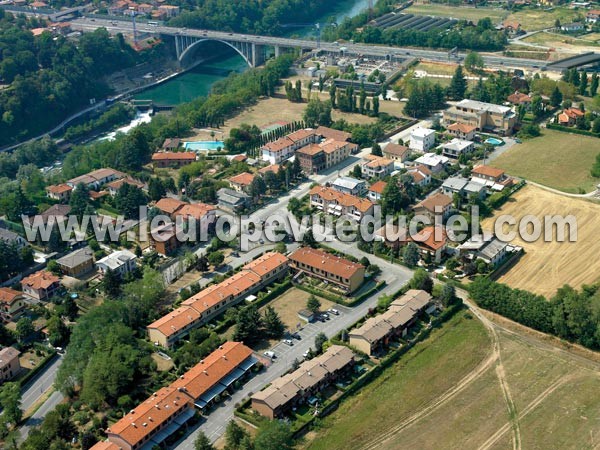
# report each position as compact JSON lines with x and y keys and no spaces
{"x":204,"y":145}
{"x":493,"y":141}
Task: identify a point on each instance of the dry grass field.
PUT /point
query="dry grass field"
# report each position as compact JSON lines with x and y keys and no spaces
{"x":546,"y":266}
{"x":537,"y":19}
{"x":292,"y":301}
{"x":463,"y":12}
{"x":545,"y":161}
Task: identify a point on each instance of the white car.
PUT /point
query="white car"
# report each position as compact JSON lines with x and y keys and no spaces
{"x":305,"y":354}
{"x":288,"y":342}
{"x":333,"y":311}
{"x":269,"y":354}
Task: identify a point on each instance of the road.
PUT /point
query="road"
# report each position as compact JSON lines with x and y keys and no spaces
{"x":40,"y":414}
{"x":90,"y":24}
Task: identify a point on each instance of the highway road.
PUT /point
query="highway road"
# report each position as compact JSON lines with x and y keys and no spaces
{"x":121,"y":26}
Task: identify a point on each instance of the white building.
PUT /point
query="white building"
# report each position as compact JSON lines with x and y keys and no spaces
{"x":422,"y":139}
{"x":456,"y":147}
{"x":349,"y":185}
{"x":121,"y":262}
{"x":435,"y":163}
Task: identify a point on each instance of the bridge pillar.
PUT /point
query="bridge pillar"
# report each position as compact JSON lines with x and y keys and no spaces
{"x":258,"y":55}
{"x":277,"y":51}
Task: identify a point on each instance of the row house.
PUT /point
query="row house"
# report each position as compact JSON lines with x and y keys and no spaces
{"x":161,"y":160}
{"x":96,"y":178}
{"x":214,"y":300}
{"x":341,"y":272}
{"x":311,"y":377}
{"x":336,"y":203}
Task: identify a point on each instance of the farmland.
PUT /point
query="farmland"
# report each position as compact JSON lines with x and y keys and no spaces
{"x":402,"y":389}
{"x":551,"y":393}
{"x":546,"y":266}
{"x":466,"y":13}
{"x":545,"y":161}
{"x":538,"y":19}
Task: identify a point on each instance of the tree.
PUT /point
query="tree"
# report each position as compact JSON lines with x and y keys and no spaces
{"x":317,"y":113}
{"x":393,"y":200}
{"x":448,"y":295}
{"x":537,"y":107}
{"x":53,"y":267}
{"x":24,"y":328}
{"x":474,"y":62}
{"x":410,"y":254}
{"x":58,"y":332}
{"x":556,"y":97}
{"x":356,"y":171}
{"x":421,"y":280}
{"x":257,"y":187}
{"x":10,"y":400}
{"x":79,"y":200}
{"x":156,"y":189}
{"x":376,"y":105}
{"x":583,"y":84}
{"x":202,"y":442}
{"x":458,"y":85}
{"x":376,"y":150}
{"x":111,"y":283}
{"x":234,"y":435}
{"x":248,"y":322}
{"x":273,"y":435}
{"x":594,"y":85}
{"x":313,"y":304}
{"x":320,"y":340}
{"x":216,"y":258}
{"x":308,"y":239}
{"x":273,"y":324}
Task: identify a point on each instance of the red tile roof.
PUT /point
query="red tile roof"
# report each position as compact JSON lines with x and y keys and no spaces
{"x":487,"y":171}
{"x":243,"y":179}
{"x":378,"y":187}
{"x":329,"y":194}
{"x":320,"y":259}
{"x":431,"y":237}
{"x":174,"y":156}
{"x":267,"y":263}
{"x":330,"y":133}
{"x":195,"y":210}
{"x":169,"y":205}
{"x":59,"y":188}
{"x":40,"y":280}
{"x":436,"y":200}
{"x":461,"y":128}
{"x":8,"y":295}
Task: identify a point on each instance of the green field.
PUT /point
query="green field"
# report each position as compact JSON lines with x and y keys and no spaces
{"x":462,"y":12}
{"x":554,"y":39}
{"x":538,"y":19}
{"x":420,"y":377}
{"x":555,"y":159}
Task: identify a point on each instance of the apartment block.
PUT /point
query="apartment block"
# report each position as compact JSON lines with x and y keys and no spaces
{"x":482,"y":116}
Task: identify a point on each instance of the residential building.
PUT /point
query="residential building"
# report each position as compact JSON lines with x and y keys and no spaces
{"x":239,"y":158}
{"x":422,"y":139}
{"x":169,"y":10}
{"x":330,"y":133}
{"x":572,"y":27}
{"x":215,"y":299}
{"x":12,"y":238}
{"x":162,"y":160}
{"x":231,"y":200}
{"x":54,"y":214}
{"x":311,"y":377}
{"x":396,"y":152}
{"x":436,"y":205}
{"x":169,"y":206}
{"x":341,"y":272}
{"x":376,"y":332}
{"x":121,"y":262}
{"x":77,"y":263}
{"x":278,"y":151}
{"x":316,"y":157}
{"x":454,"y":185}
{"x":592,"y":16}
{"x":105,"y":445}
{"x":518,"y":98}
{"x":376,"y":191}
{"x":9,"y":363}
{"x":432,"y":242}
{"x":40,"y":285}
{"x":461,"y":131}
{"x":435,"y":163}
{"x":241,"y":182}
{"x":456,"y":148}
{"x":164,"y":239}
{"x":392,"y":235}
{"x":486,"y":247}
{"x":152,"y":421}
{"x":337,"y":151}
{"x":270,"y":168}
{"x":483,"y":116}
{"x":216,"y":373}
{"x":12,"y":304}
{"x":171,"y":144}
{"x":311,"y":158}
{"x":349,"y":185}
{"x":490,"y":177}
{"x":420,"y":174}
{"x":338,"y":204}
{"x":96,"y":178}
{"x":60,"y":192}
{"x":203,"y":214}
{"x":114,"y":186}
{"x":569,"y":116}
{"x":377,"y":167}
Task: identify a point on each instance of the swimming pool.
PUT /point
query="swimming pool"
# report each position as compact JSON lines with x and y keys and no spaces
{"x":493,"y":141}
{"x":204,"y":145}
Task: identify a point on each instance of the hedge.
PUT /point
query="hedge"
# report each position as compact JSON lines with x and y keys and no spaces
{"x":324,"y":294}
{"x":553,"y":126}
{"x":33,"y":372}
{"x":362,"y":297}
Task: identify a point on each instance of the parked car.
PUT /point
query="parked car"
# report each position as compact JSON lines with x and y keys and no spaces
{"x":325,"y":316}
{"x":306,"y":354}
{"x":297,"y":336}
{"x":269,"y":354}
{"x":333,"y":311}
{"x":288,"y":342}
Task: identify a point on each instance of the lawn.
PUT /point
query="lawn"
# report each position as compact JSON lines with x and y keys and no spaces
{"x":546,"y":266}
{"x":555,"y":401}
{"x":421,"y":376}
{"x":464,"y":12}
{"x":556,"y":159}
{"x":538,"y":19}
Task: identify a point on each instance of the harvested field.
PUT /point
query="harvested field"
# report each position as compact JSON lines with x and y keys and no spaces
{"x":546,"y":266}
